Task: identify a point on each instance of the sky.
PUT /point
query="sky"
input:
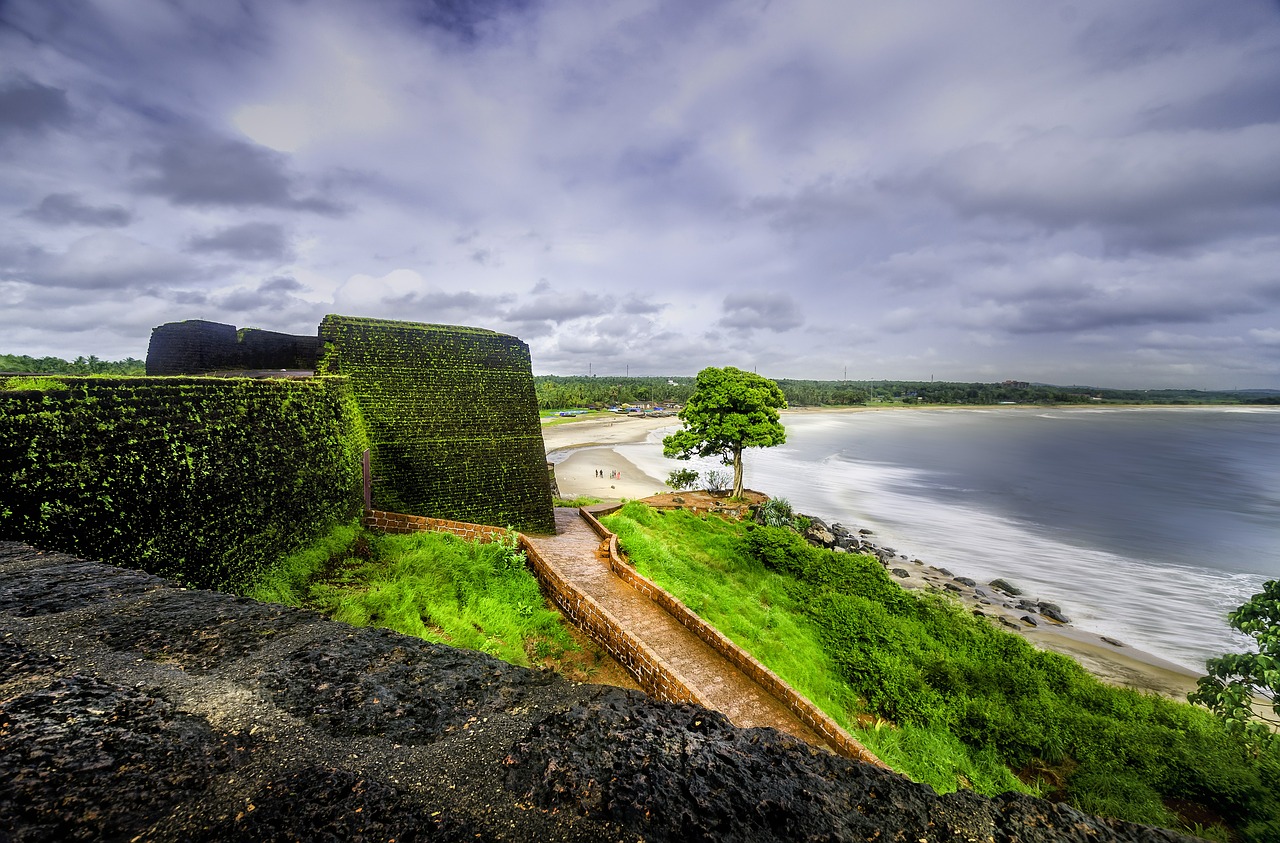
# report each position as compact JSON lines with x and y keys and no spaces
{"x":1064,"y":192}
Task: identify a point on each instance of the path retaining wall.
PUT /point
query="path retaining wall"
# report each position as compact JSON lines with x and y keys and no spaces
{"x":658,"y":679}
{"x":654,"y":675}
{"x":836,"y":737}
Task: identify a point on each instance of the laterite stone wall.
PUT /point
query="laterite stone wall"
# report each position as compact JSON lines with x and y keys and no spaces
{"x":196,"y":346}
{"x":398,"y":523}
{"x":205,"y":480}
{"x":451,"y":417}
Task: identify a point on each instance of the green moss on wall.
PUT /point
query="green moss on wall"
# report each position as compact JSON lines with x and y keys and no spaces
{"x":451,"y":416}
{"x":201,"y":479}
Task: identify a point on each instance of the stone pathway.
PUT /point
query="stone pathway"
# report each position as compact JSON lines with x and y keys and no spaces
{"x":575,"y":551}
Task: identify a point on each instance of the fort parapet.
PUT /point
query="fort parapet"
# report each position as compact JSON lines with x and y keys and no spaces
{"x":197,"y":347}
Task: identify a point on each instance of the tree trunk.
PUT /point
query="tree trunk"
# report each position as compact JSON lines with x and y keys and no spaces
{"x":737,"y":472}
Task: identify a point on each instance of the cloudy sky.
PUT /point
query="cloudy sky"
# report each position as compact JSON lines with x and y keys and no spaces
{"x":1072,"y":192}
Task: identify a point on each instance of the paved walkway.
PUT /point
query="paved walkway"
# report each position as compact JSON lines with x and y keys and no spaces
{"x":575,"y":550}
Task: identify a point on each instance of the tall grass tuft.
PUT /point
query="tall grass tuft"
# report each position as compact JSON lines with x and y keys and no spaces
{"x":430,"y":585}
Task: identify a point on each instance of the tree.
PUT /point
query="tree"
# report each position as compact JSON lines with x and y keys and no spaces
{"x":1236,"y":679}
{"x":729,"y":410}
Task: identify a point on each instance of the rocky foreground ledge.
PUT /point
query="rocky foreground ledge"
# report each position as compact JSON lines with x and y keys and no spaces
{"x":131,"y":709}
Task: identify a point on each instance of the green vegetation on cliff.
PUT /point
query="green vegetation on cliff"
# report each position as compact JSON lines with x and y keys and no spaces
{"x":960,"y":703}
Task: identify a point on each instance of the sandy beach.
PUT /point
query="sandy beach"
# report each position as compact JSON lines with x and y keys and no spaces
{"x":589,"y":442}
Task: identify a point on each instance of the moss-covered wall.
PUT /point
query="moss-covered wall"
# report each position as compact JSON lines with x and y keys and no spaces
{"x":202,"y":479}
{"x":196,"y":346}
{"x":452,"y":420}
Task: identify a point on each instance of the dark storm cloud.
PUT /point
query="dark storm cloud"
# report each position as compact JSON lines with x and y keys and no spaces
{"x":466,"y":20}
{"x":270,"y":302}
{"x":187,"y":298}
{"x":248,"y":241}
{"x":549,"y":306}
{"x":1074,"y":305}
{"x":136,"y":38}
{"x":69,"y":209}
{"x":1116,"y":39}
{"x":823,"y":203}
{"x":463,"y":301}
{"x":1242,"y":99}
{"x":282,"y":284}
{"x":250,"y":299}
{"x":210,"y":171}
{"x":17,"y":258}
{"x":1104,"y":312}
{"x":766,"y":311}
{"x":28,"y":107}
{"x":105,"y":261}
{"x":1121,"y":187}
{"x":637,"y":306}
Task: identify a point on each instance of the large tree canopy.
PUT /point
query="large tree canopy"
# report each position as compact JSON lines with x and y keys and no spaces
{"x":729,"y":410}
{"x":1237,"y":681}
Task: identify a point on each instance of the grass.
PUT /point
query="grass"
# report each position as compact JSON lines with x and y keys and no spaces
{"x":578,"y":502}
{"x":433,"y":586}
{"x":959,"y":703}
{"x":746,"y":602}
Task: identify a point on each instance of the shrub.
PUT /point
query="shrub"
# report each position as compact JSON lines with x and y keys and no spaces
{"x":716,"y":480}
{"x":779,"y":549}
{"x":682,"y":478}
{"x":775,"y":512}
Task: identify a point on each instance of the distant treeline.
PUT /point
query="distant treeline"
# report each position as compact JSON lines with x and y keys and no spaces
{"x":90,"y":365}
{"x":559,"y":391}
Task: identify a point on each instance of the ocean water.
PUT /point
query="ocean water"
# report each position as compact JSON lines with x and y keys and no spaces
{"x":1145,"y":524}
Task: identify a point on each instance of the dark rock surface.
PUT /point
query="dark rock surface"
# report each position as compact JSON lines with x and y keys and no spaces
{"x":1006,"y":586}
{"x":133,"y":709}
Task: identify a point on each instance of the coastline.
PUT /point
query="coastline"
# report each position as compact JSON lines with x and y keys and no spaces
{"x":580,"y":448}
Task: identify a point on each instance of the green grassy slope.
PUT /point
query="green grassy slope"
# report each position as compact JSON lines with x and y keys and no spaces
{"x":960,"y":703}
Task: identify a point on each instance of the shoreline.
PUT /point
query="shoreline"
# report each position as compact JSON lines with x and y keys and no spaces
{"x":582,"y":447}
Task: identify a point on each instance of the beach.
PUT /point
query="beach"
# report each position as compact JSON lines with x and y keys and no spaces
{"x":582,"y":447}
{"x":588,"y":443}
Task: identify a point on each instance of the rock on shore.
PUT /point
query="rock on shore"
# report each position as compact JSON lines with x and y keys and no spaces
{"x":134,"y":709}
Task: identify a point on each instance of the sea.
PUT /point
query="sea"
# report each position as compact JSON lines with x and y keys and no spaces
{"x":1144,"y":524}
